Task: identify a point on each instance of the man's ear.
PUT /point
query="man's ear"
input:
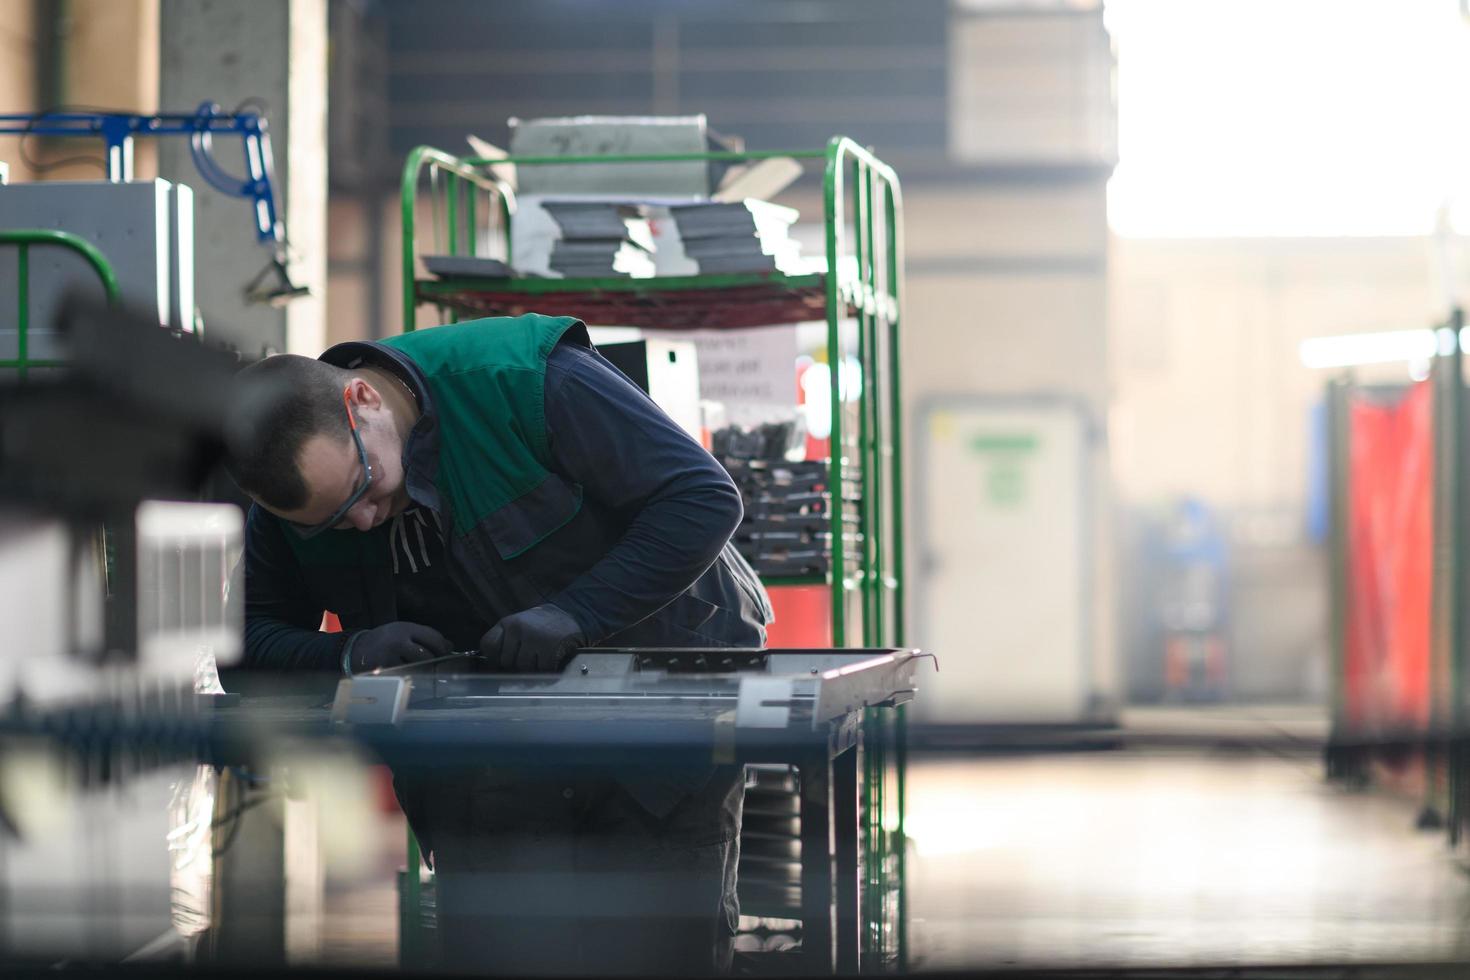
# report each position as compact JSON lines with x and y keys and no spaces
{"x":364,"y":395}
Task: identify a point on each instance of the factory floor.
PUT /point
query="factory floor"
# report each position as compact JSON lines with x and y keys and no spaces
{"x":1226,"y":848}
{"x":1222,"y":850}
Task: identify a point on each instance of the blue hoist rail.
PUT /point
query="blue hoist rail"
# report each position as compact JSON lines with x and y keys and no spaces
{"x":119,"y":129}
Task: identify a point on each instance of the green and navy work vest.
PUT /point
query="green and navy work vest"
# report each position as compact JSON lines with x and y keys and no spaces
{"x":516,"y":532}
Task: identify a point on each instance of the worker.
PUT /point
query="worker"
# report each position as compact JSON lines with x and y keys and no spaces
{"x":497,"y":486}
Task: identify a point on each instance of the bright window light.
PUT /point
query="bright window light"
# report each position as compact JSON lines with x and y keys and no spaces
{"x":1386,"y":347}
{"x":1289,"y":117}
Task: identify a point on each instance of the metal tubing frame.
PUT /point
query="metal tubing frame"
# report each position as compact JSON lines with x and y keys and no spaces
{"x":854,"y":182}
{"x":1438,"y":796}
{"x":847,"y":891}
{"x":1342,"y":763}
{"x":1449,"y":624}
{"x":1337,"y":510}
{"x":23,"y":240}
{"x":895,"y":574}
{"x":1459,"y":623}
{"x":875,"y":293}
{"x":458,"y":170}
{"x":412,"y":948}
{"x":873,"y":301}
{"x":118,"y":129}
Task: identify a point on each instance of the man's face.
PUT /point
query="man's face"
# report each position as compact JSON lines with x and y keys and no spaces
{"x":332,"y":468}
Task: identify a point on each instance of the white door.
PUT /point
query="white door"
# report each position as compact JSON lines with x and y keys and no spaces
{"x":1003,"y":562}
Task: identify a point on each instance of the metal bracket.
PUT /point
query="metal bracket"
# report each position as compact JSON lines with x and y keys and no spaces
{"x":764,"y":702}
{"x":371,"y":700}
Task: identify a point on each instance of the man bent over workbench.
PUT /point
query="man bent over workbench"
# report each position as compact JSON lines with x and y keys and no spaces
{"x":498,"y":486}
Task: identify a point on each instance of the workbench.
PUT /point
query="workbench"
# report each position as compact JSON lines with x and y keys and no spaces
{"x":654,"y":708}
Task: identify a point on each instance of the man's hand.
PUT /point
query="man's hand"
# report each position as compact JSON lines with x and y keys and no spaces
{"x":535,"y":640}
{"x":395,"y":644}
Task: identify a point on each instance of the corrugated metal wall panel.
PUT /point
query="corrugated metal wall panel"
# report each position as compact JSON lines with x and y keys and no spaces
{"x":781,"y":73}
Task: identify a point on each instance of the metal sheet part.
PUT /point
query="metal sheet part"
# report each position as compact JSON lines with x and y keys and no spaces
{"x":765,"y":688}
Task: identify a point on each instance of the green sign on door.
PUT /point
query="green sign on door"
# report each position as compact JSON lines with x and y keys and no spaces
{"x":1004,"y":458}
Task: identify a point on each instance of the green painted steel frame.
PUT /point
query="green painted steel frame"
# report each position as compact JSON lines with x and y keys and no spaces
{"x":864,"y":275}
{"x":23,"y":240}
{"x":857,"y":180}
{"x":464,"y":207}
{"x":1459,"y":626}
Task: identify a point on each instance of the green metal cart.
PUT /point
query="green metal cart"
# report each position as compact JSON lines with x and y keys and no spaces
{"x":456,"y":206}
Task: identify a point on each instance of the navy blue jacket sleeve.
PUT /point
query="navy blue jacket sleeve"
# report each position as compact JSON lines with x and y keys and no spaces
{"x":282,"y":624}
{"x":605,"y":433}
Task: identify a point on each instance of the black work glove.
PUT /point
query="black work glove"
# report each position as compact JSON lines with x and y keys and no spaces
{"x":535,"y":640}
{"x":393,"y":645}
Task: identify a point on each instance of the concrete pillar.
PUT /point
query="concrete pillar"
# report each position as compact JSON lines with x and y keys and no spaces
{"x":274,"y":54}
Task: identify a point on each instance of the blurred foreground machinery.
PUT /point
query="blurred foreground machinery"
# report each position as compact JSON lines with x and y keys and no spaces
{"x":120,"y":594}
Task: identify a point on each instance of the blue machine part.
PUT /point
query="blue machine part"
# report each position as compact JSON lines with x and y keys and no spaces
{"x":1319,"y":485}
{"x":1195,"y":557}
{"x":118,"y":130}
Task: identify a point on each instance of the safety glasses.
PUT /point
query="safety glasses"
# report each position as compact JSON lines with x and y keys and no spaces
{"x":312,"y":530}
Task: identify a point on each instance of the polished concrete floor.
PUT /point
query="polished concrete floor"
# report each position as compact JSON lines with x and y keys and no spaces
{"x":1178,"y":858}
{"x":1189,"y":856}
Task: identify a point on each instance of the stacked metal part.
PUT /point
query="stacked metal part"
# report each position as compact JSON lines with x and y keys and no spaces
{"x":599,"y":239}
{"x":770,"y":848}
{"x":120,"y":599}
{"x":739,"y":236}
{"x":787,"y":528}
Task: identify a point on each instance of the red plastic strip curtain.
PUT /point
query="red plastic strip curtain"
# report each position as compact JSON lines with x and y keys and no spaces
{"x":1391,"y":462}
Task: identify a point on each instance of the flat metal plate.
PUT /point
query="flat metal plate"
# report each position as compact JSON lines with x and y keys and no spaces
{"x":371,"y":700}
{"x":767,"y":689}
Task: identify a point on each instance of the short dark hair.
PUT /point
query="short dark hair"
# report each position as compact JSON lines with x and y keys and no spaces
{"x":282,"y":402}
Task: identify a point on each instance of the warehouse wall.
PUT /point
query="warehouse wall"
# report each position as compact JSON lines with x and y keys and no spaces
{"x":364,"y":282}
{"x":1008,"y":258}
{"x":17,"y":73}
{"x":110,"y":61}
{"x":106,"y":56}
{"x":349,"y":279}
{"x":1031,"y":84}
{"x":1210,"y":399}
